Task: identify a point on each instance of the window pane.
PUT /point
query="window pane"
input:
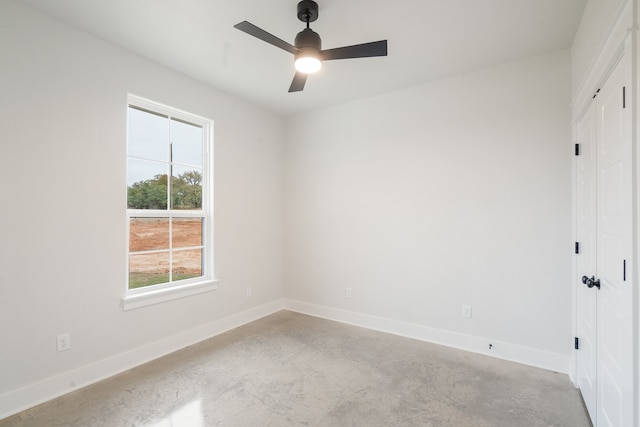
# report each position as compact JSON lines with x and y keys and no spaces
{"x":147,"y":234}
{"x":187,"y":264}
{"x":148,"y":269}
{"x":148,"y":135}
{"x":186,"y":140}
{"x":187,"y":232}
{"x":147,"y":184}
{"x":166,"y":167}
{"x":186,"y":188}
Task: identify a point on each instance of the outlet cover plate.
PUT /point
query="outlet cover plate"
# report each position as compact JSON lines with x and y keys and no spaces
{"x":64,"y":342}
{"x":466,"y":311}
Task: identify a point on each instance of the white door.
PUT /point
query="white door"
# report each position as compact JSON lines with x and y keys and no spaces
{"x":614,"y":313}
{"x":587,"y":298}
{"x":605,"y":365}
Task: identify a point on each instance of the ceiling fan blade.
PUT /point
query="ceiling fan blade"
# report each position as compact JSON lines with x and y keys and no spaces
{"x":257,"y":32}
{"x":363,"y":50}
{"x":298,"y":82}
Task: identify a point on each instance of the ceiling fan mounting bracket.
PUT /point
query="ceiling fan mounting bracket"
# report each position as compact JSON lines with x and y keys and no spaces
{"x":307,"y":11}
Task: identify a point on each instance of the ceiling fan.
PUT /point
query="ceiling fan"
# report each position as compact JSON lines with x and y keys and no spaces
{"x":307,"y":47}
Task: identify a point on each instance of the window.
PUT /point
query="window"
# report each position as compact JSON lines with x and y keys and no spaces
{"x":169,"y":216}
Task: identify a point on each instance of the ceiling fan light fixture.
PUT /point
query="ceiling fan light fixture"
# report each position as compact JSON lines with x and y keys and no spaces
{"x":308,"y":63}
{"x":308,"y":43}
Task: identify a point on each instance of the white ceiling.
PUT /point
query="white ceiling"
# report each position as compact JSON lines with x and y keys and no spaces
{"x":427,"y":39}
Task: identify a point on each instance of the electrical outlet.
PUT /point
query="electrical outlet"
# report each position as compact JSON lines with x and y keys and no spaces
{"x":64,"y":342}
{"x":348,"y":292}
{"x":249,"y":291}
{"x":466,"y":311}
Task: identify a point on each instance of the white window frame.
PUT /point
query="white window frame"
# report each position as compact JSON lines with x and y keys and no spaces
{"x":153,"y":294}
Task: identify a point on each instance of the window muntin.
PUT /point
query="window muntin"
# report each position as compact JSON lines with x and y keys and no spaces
{"x":169,"y":220}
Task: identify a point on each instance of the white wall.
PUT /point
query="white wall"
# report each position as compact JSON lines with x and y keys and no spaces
{"x":63,"y":98}
{"x":455,"y":192}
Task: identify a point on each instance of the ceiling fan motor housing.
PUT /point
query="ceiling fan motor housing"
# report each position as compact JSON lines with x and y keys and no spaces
{"x":308,"y":38}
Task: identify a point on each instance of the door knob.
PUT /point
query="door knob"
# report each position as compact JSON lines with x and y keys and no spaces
{"x":591,"y":282}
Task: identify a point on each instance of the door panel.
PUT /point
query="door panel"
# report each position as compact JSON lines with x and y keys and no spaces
{"x":610,"y":398}
{"x":610,"y":267}
{"x":613,"y":229}
{"x":587,"y":300}
{"x":610,"y":345}
{"x":610,"y":194}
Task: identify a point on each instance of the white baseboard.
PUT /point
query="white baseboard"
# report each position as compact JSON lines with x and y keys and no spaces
{"x":33,"y":394}
{"x":528,"y":356}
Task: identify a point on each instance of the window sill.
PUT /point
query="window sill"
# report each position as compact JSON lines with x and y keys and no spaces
{"x":155,"y":296}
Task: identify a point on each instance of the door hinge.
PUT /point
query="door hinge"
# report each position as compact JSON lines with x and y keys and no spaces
{"x":624,"y":270}
{"x":577,"y":248}
{"x":624,"y":97}
{"x":577,"y":149}
{"x":576,"y":343}
{"x":596,"y":94}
